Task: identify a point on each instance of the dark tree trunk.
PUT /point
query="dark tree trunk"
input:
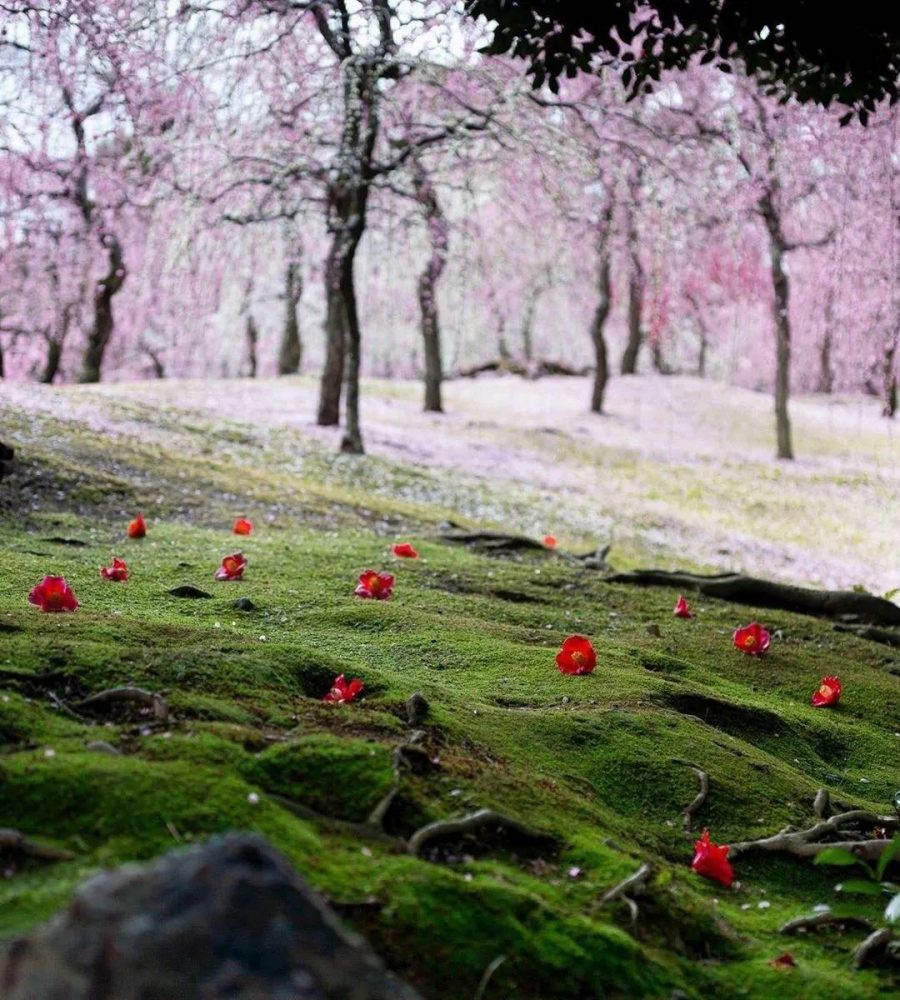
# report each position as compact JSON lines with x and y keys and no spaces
{"x":889,"y":379}
{"x":601,"y":312}
{"x":352,"y":442}
{"x":104,"y":321}
{"x":635,"y":284}
{"x":251,"y":333}
{"x":826,"y":370}
{"x":52,"y":362}
{"x":782,"y":321}
{"x":290,"y":354}
{"x":656,"y":355}
{"x":348,"y":195}
{"x":438,"y":233}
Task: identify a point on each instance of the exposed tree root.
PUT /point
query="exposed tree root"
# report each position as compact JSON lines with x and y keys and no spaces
{"x":697,"y":801}
{"x":469,"y":824}
{"x":365,"y":831}
{"x":493,"y":541}
{"x":813,"y":921}
{"x":155,"y":702}
{"x":822,"y":804}
{"x":808,"y":843}
{"x":885,"y":636}
{"x":634,"y":885}
{"x":13,"y":840}
{"x":869,"y":949}
{"x":32,"y":680}
{"x":863,"y":608}
{"x":377,"y":815}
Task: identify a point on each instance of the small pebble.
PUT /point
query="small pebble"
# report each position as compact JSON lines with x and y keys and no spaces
{"x":253,"y":799}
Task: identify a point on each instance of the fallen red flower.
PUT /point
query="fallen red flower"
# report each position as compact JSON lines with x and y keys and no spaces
{"x":118,"y":571}
{"x":342,"y":691}
{"x":752,"y":639}
{"x":53,"y":594}
{"x":232,"y":567}
{"x":683,"y":609}
{"x":577,"y":656}
{"x":828,"y":692}
{"x":711,"y":860}
{"x":785,"y":961}
{"x":242,"y":526}
{"x":550,"y":541}
{"x":375,"y":585}
{"x":403,"y":550}
{"x":138,"y":527}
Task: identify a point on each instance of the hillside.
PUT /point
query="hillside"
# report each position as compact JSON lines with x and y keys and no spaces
{"x":603,"y":764}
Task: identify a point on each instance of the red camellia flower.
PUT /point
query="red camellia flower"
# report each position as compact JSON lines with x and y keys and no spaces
{"x":577,"y":656}
{"x":118,"y":571}
{"x":53,"y":594}
{"x":378,"y":586}
{"x":403,"y":550}
{"x":550,"y":541}
{"x":828,"y":693}
{"x":138,"y":527}
{"x":711,"y":860}
{"x":683,"y":609}
{"x":242,"y":526}
{"x":752,"y":639}
{"x":232,"y":567}
{"x":342,"y":691}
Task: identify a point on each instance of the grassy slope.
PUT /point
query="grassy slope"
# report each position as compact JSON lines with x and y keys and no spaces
{"x":593,"y":759}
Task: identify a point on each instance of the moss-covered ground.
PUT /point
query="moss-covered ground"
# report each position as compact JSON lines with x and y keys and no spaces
{"x":599,"y":760}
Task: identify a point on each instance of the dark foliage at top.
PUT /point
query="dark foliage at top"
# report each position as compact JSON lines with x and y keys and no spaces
{"x":791,"y":46}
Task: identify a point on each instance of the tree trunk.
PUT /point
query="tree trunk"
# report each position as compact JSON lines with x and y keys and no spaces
{"x":290,"y":353}
{"x":104,"y":321}
{"x":635,"y":289}
{"x":782,"y":320}
{"x":52,"y":362}
{"x":601,"y":312}
{"x":826,"y":370}
{"x":352,"y":442}
{"x":889,"y":378}
{"x":438,"y":232}
{"x":347,"y":199}
{"x":251,"y":334}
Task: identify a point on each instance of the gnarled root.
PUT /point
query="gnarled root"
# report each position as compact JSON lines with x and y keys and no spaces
{"x":813,"y":921}
{"x":155,"y":702}
{"x":469,"y":824}
{"x":13,"y":840}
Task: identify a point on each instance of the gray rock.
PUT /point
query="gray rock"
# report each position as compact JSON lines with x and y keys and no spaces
{"x":226,"y":919}
{"x":244,"y":604}
{"x":416,"y":709}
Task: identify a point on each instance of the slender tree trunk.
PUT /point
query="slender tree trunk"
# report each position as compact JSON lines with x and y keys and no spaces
{"x":251,"y":333}
{"x":826,"y":369}
{"x":104,"y":321}
{"x":2,"y":364}
{"x":656,"y":355}
{"x":782,"y":321}
{"x":438,"y":232}
{"x":352,"y":442}
{"x":335,"y":335}
{"x":52,"y":361}
{"x":889,"y":378}
{"x":601,"y":312}
{"x":290,"y":353}
{"x":635,"y":288}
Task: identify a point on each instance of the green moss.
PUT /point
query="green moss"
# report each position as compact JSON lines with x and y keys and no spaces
{"x":601,"y":761}
{"x":336,"y":776}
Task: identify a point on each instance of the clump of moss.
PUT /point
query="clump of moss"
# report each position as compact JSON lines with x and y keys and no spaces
{"x":337,"y":776}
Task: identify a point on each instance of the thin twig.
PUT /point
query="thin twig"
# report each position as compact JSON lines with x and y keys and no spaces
{"x":636,"y":881}
{"x":698,"y":800}
{"x":487,"y":975}
{"x":377,"y":815}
